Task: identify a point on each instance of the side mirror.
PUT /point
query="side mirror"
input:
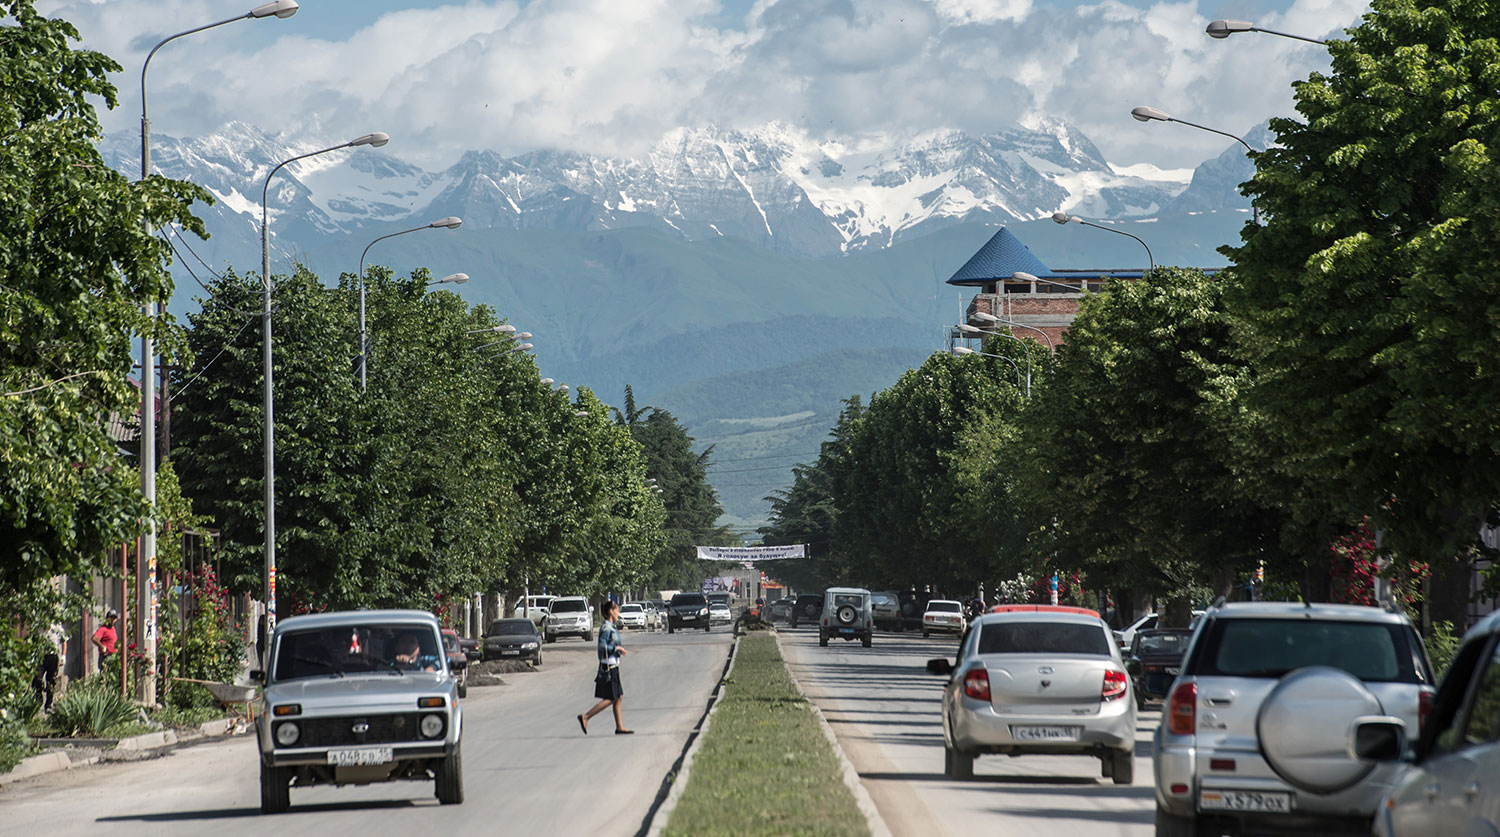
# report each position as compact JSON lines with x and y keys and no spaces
{"x":1133,"y":665}
{"x":458,"y":665}
{"x":940,"y":666}
{"x":257,"y":676}
{"x":1377,"y":738}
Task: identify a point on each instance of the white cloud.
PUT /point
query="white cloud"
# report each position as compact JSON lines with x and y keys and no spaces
{"x":611,"y":76}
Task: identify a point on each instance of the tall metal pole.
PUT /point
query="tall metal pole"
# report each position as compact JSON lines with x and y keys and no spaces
{"x":268,"y":434}
{"x":449,"y":222}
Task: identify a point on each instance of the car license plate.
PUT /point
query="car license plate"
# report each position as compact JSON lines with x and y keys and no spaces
{"x":846,"y":630}
{"x":360,"y":755}
{"x":504,"y":651}
{"x":1045,"y":733}
{"x":1226,"y":800}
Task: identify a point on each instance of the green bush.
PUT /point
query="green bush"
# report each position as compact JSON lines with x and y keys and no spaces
{"x":91,"y":710}
{"x":1442,"y":645}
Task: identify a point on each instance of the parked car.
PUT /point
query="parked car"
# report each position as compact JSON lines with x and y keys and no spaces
{"x":358,"y":697}
{"x":1039,"y":681}
{"x":780,"y":610}
{"x":1154,"y":661}
{"x":569,"y":616}
{"x":847,"y":615}
{"x":633,"y":615}
{"x":913,"y":605}
{"x":454,"y":651}
{"x":1147,"y":623}
{"x":943,"y":616}
{"x":719,"y":614}
{"x":719,"y":597}
{"x":886,"y":607}
{"x":687,"y":610}
{"x":658,"y":613}
{"x":807,"y":608}
{"x":1453,"y":783}
{"x":515,"y":637}
{"x":534,"y":608}
{"x":1255,"y":734}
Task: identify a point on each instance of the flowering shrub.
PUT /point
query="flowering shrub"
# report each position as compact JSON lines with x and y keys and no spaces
{"x":1354,"y":567}
{"x":1016,"y":590}
{"x":208,"y":644}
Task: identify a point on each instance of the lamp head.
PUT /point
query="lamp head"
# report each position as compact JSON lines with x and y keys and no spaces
{"x":1224,"y":28}
{"x":962,"y":350}
{"x":525,"y":347}
{"x":581,"y":413}
{"x":968,"y":329}
{"x":452,"y":279}
{"x":277,"y":8}
{"x":1147,"y":114}
{"x":374,"y":140}
{"x":505,"y":329}
{"x":985,"y":317}
{"x":523,"y":335}
{"x":562,"y":387}
{"x":1023,"y":276}
{"x":452,"y":222}
{"x":1061,"y":217}
{"x":547,"y":381}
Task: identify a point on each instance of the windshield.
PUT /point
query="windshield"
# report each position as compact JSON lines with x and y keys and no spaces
{"x":1043,"y":638}
{"x":689,"y":599}
{"x":1164,"y":643}
{"x":358,"y":649}
{"x":568,"y":606}
{"x":944,"y":607}
{"x":1371,"y":651}
{"x":512,"y":627}
{"x":883,"y":599}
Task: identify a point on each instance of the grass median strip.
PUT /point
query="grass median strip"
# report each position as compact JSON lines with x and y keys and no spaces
{"x":764,"y":766}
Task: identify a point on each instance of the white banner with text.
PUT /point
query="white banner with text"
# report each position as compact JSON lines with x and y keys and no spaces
{"x":751,"y":553}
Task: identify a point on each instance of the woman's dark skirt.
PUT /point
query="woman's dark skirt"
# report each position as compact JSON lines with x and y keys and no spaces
{"x":607,"y":683}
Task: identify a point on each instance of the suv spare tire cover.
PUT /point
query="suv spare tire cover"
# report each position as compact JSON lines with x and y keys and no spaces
{"x":811,"y":609}
{"x":847,"y":614}
{"x":1303,"y":727}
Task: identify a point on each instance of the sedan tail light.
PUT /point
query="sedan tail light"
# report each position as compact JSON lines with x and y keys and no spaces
{"x":1424,"y":706}
{"x":977,"y":684}
{"x":1182,"y":709}
{"x":1116,"y":684}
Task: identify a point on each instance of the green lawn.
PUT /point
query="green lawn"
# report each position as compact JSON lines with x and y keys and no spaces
{"x":764,"y":766}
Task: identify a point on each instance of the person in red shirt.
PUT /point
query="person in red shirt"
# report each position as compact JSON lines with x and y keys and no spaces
{"x":105,"y":637}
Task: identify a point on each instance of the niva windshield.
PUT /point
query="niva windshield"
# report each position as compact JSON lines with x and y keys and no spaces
{"x":358,"y":649}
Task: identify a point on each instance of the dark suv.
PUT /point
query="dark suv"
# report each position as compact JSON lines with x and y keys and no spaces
{"x":808,"y":608}
{"x":687,"y":610}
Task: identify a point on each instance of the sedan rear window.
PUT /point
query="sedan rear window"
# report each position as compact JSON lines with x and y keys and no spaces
{"x":1043,"y":638}
{"x":944,"y":607}
{"x":1371,"y":651}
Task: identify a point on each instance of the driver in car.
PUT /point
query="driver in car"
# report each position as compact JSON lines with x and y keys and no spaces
{"x":409,"y":654}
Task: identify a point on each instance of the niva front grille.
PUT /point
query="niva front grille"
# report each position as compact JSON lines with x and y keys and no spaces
{"x":376,"y":729}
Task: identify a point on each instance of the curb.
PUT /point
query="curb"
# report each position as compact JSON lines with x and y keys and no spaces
{"x":54,"y":761}
{"x":676,"y":779}
{"x":862,"y":799}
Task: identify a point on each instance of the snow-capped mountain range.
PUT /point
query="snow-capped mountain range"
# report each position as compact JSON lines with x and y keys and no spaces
{"x":774,"y":186}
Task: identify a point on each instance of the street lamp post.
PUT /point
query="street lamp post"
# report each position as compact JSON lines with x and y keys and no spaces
{"x":1150,"y":114}
{"x":1064,"y":218}
{"x":146,"y":589}
{"x":961,"y":351}
{"x":1222,"y":29}
{"x":449,"y":223}
{"x":374,"y":140}
{"x":987,"y":317}
{"x":965,"y":328}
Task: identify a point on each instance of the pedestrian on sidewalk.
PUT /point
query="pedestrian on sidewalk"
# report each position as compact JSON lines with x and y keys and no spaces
{"x":105,"y":637}
{"x":44,"y":682}
{"x":607,"y":681}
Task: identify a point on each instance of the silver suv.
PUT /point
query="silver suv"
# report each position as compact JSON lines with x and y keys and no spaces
{"x":1255,"y":731}
{"x":569,"y":616}
{"x":358,"y":697}
{"x":847,"y":614}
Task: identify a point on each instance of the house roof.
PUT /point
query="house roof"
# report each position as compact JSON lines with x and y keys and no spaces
{"x":1004,"y":255}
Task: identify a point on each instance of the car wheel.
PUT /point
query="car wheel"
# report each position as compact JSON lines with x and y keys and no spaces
{"x":549,"y":638}
{"x":588,"y":636}
{"x":1171,"y":825}
{"x":463,"y":690}
{"x":1123,"y":769}
{"x":275,"y":789}
{"x":450,"y":777}
{"x":958,"y":764}
{"x":926,"y":635}
{"x":705,"y":629}
{"x":671,"y":630}
{"x":1140,"y":704}
{"x":865,"y":640}
{"x":823,"y":639}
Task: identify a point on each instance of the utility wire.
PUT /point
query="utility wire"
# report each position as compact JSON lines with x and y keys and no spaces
{"x":768,"y":456}
{"x":206,"y":366}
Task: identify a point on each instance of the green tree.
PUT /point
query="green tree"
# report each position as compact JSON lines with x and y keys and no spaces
{"x":1372,"y":296}
{"x":807,"y":511}
{"x":76,"y":268}
{"x":692,"y":509}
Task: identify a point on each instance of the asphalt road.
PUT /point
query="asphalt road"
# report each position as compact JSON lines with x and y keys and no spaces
{"x":884,"y":708}
{"x":527,"y":767}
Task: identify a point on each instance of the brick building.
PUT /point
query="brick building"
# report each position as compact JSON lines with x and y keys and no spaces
{"x":1040,"y":299}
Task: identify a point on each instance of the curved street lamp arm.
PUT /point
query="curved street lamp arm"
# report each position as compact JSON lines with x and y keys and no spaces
{"x":1150,"y":258}
{"x":1319,"y":41}
{"x":377,"y":241}
{"x":1210,"y":130}
{"x":169,"y":39}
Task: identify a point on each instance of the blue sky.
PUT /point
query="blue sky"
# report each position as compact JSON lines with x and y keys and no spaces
{"x":614,"y":76}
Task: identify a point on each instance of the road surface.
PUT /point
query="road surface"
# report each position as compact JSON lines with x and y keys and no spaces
{"x":527,"y":767}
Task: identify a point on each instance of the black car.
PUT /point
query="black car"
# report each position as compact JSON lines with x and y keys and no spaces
{"x":687,"y":610}
{"x":808,"y":608}
{"x":913,"y":605}
{"x":513,"y":638}
{"x":1155,"y":660}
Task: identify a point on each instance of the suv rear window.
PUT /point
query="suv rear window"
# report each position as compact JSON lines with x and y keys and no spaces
{"x":1043,"y":638}
{"x":1373,"y":652}
{"x":689,"y":599}
{"x":851,"y":599}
